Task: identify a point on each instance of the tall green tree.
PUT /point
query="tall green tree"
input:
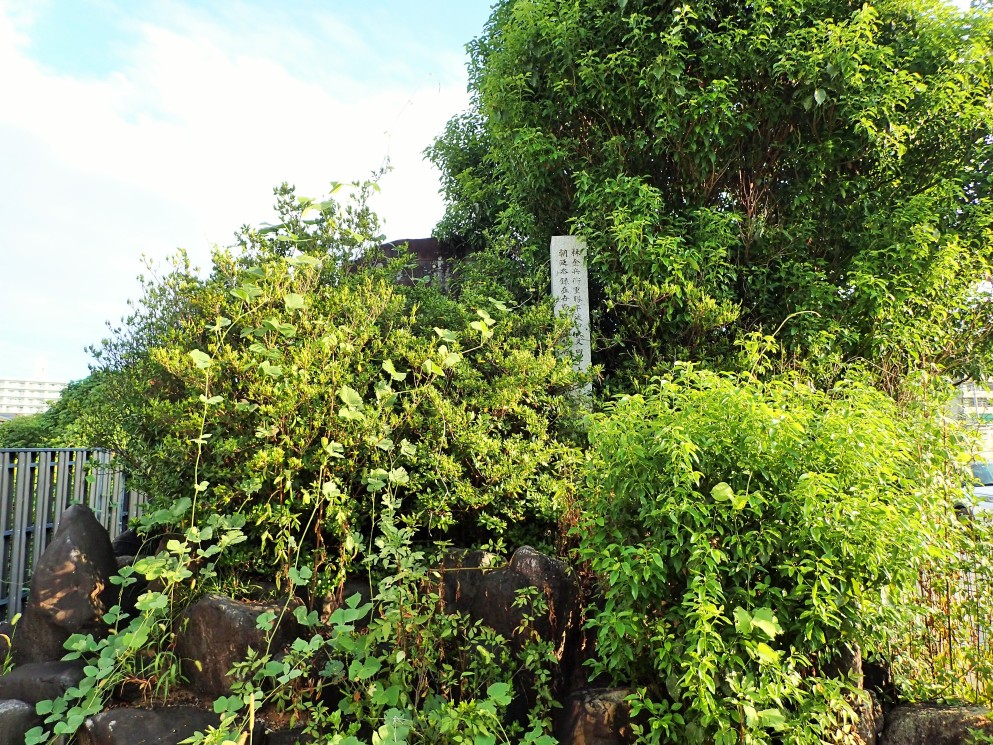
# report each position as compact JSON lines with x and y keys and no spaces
{"x":824,"y":165}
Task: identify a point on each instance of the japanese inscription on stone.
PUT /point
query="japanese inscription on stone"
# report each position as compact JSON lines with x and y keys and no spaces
{"x":570,"y":288}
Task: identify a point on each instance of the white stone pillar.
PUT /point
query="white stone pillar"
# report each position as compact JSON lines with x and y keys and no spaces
{"x":571,"y":290}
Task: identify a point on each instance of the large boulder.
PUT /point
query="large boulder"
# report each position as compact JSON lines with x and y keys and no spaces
{"x":129,"y":543}
{"x":70,"y":589}
{"x":216,"y":632}
{"x":490,"y":595}
{"x":40,"y":681}
{"x":598,"y":716}
{"x":933,"y":724}
{"x":164,"y":726}
{"x":16,"y":718}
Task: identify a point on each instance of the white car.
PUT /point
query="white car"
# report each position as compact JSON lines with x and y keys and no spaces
{"x":983,"y":492}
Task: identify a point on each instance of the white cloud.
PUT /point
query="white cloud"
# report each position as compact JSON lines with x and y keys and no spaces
{"x":180,"y":146}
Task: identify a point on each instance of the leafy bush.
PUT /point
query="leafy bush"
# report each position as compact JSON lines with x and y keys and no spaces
{"x":323,"y":378}
{"x":743,"y":532}
{"x":29,"y":431}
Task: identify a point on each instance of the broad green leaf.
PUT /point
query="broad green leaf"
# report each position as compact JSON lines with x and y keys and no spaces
{"x":449,"y":337}
{"x":722,"y":492}
{"x":350,"y":397}
{"x":201,"y":359}
{"x":742,"y":621}
{"x":765,"y":620}
{"x":766,"y":654}
{"x":499,"y":692}
{"x":771,"y":719}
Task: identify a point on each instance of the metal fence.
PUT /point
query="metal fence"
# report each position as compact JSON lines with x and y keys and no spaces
{"x":36,"y":487}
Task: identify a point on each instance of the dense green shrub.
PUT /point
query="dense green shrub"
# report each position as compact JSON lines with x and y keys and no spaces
{"x":743,"y":531}
{"x":731,"y":164}
{"x":29,"y":431}
{"x":322,"y":377}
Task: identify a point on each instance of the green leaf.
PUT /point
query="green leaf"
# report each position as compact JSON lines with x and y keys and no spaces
{"x":722,"y":492}
{"x":771,"y":719}
{"x":742,"y":621}
{"x":764,"y":620}
{"x":350,"y":397}
{"x":766,"y":654}
{"x":739,"y":501}
{"x":293,"y":301}
{"x":270,"y":370}
{"x":445,"y":335}
{"x":820,"y":96}
{"x":500,"y":693}
{"x":388,"y":367}
{"x":201,"y":359}
{"x":300,"y":576}
{"x":364,"y":669}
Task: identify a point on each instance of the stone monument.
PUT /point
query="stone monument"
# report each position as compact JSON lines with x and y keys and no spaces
{"x":571,"y":290}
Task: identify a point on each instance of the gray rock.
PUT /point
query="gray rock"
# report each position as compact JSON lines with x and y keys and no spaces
{"x":870,"y":724}
{"x":597,"y":716}
{"x":16,"y":718}
{"x":70,"y":589}
{"x":933,"y":724}
{"x":164,"y":726}
{"x":216,"y":632}
{"x":39,"y":681}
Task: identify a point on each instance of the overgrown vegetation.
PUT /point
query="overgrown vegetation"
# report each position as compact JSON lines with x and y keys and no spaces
{"x":320,"y":375}
{"x":789,"y":214}
{"x":731,"y":165}
{"x":746,"y":531}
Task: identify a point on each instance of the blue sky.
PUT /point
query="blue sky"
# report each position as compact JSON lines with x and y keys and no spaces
{"x":134,"y":128}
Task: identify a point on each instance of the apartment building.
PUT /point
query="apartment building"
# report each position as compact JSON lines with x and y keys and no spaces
{"x":974,"y":406}
{"x":19,"y":397}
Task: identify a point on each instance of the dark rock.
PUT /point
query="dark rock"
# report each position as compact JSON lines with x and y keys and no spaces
{"x":595,"y":717}
{"x":878,"y":677}
{"x":870,"y":724}
{"x":933,"y":724}
{"x":164,"y":726}
{"x":16,"y":718}
{"x":216,"y":632}
{"x":489,"y":596}
{"x":128,"y":543}
{"x":70,"y":589}
{"x":294,"y":736}
{"x":39,"y":681}
{"x":847,"y":664}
